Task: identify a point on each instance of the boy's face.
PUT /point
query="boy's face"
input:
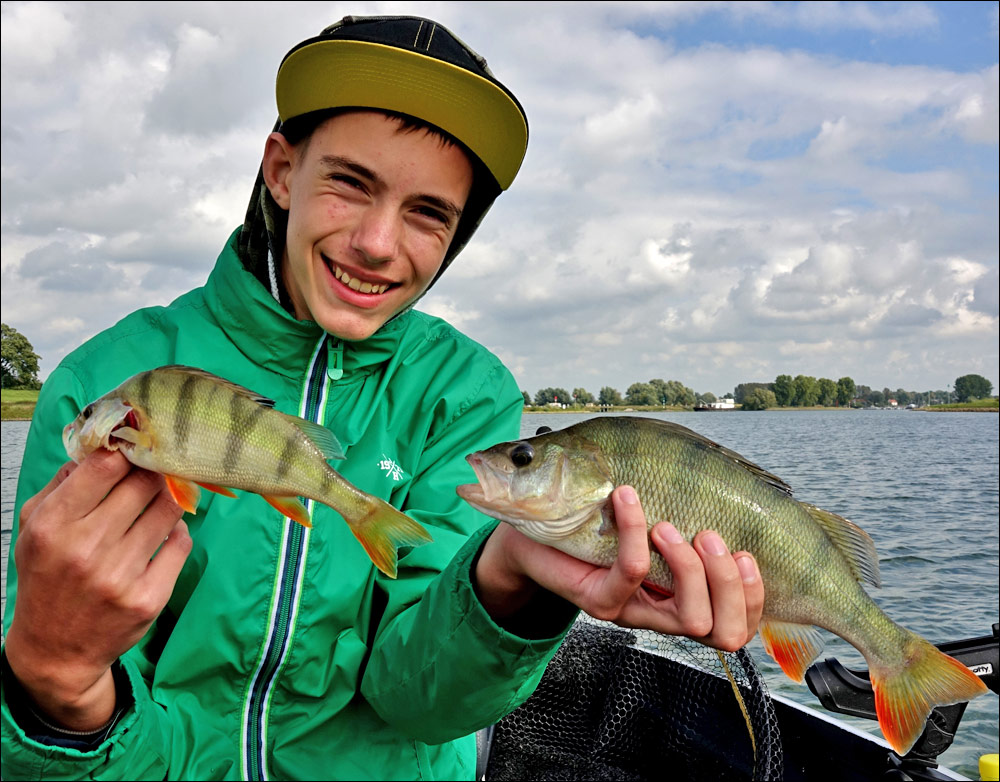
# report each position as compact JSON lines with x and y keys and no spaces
{"x":371,"y":212}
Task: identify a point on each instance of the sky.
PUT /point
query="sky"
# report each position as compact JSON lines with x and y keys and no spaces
{"x":715,"y":193}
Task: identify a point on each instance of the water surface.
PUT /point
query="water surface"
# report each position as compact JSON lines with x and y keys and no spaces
{"x":923,"y":485}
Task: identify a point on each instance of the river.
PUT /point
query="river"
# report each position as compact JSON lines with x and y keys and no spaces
{"x":925,"y":486}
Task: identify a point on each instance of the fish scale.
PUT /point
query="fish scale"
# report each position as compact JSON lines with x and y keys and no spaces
{"x":555,"y":488}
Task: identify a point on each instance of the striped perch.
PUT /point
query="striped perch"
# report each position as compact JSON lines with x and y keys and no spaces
{"x":198,"y":429}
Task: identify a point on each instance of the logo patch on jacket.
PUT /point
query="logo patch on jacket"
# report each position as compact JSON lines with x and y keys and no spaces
{"x":391,"y":469}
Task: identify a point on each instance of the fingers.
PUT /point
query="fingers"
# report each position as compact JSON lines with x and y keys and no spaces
{"x":33,"y":502}
{"x":162,"y":573}
{"x":753,"y":590}
{"x":719,"y":597}
{"x":631,"y":565}
{"x":725,"y":585}
{"x":157,"y":523}
{"x":692,"y":602}
{"x":85,"y":487}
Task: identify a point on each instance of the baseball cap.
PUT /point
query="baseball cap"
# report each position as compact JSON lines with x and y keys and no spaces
{"x":412,"y":66}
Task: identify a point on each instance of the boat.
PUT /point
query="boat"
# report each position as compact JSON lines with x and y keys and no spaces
{"x":612,"y":705}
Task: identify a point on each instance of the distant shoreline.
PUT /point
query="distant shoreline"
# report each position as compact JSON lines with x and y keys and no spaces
{"x":816,"y":408}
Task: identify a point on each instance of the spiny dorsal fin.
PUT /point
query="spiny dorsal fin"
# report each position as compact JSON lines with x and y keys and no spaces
{"x":852,"y":541}
{"x":704,"y":442}
{"x":320,"y":436}
{"x":234,"y":387}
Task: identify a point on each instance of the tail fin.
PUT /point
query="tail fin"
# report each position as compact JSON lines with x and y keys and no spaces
{"x":904,"y":697}
{"x":384,"y":529}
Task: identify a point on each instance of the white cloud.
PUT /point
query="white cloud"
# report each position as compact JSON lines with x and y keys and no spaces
{"x":687,"y":209}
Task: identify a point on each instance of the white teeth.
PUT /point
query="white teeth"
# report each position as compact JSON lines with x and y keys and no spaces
{"x":356,"y":285}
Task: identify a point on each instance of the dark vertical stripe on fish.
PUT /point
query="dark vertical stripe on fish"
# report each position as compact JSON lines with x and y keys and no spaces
{"x":182,"y":420}
{"x":286,"y":461}
{"x":245,"y":416}
{"x":142,"y":391}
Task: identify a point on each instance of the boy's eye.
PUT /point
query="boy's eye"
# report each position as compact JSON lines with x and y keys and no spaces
{"x":434,"y":214}
{"x":350,"y":181}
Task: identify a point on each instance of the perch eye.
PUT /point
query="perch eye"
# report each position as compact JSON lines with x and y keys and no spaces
{"x":522,"y":455}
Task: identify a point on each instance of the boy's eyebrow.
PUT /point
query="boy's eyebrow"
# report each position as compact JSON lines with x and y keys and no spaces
{"x":339,"y":162}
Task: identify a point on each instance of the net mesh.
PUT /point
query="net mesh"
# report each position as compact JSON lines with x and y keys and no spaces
{"x":634,"y":704}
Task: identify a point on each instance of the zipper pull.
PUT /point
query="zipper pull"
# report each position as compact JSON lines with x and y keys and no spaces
{"x":335,"y":359}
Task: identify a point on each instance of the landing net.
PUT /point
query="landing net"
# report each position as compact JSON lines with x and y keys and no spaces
{"x":621,"y":704}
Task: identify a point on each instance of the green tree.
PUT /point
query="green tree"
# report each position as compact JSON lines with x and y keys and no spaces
{"x":827,"y":392}
{"x":679,"y":394}
{"x":903,"y":397}
{"x":527,"y":399}
{"x":744,"y":389}
{"x":18,"y":360}
{"x":845,"y":391}
{"x":641,"y":394}
{"x":875,"y":397}
{"x":967,"y":387}
{"x":547,"y":395}
{"x":784,"y":390}
{"x":759,"y":399}
{"x":582,"y":396}
{"x":705,"y":399}
{"x":806,"y":391}
{"x":661,"y":389}
{"x":609,"y":396}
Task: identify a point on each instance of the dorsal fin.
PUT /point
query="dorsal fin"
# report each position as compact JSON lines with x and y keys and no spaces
{"x":704,"y":442}
{"x":852,"y":541}
{"x":320,"y":436}
{"x":234,"y":387}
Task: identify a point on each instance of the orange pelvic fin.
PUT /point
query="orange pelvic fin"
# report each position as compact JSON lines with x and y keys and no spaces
{"x":185,"y":493}
{"x":792,"y":646}
{"x":904,"y":697}
{"x":217,"y":489}
{"x":384,"y":529}
{"x":291,"y":507}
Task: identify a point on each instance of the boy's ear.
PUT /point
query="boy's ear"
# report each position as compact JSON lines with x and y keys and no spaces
{"x":277,"y":168}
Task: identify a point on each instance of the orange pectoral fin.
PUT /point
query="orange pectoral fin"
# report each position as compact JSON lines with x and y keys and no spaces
{"x":291,"y":507}
{"x":185,"y":493}
{"x":792,"y":646}
{"x":217,"y":489}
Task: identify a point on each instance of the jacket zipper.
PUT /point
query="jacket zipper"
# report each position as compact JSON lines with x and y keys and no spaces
{"x":287,"y":588}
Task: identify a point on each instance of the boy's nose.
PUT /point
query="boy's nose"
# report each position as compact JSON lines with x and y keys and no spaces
{"x":376,"y":236}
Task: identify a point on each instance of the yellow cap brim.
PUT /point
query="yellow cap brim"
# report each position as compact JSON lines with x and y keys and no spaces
{"x":342,"y":73}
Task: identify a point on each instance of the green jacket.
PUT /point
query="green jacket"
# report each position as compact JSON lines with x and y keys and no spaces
{"x":283,"y":653}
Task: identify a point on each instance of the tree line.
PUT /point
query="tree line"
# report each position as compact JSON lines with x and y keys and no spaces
{"x":783,"y":391}
{"x":19,"y":366}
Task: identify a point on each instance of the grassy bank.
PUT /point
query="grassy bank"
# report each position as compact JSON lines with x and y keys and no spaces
{"x":17,"y":404}
{"x":975,"y":406}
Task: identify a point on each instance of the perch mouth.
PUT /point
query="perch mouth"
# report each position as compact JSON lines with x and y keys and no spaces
{"x":99,"y":426}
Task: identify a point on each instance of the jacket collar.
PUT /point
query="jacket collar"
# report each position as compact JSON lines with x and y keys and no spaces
{"x":271,"y":337}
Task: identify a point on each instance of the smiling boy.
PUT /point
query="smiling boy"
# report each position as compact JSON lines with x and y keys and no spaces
{"x":248,"y":647}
